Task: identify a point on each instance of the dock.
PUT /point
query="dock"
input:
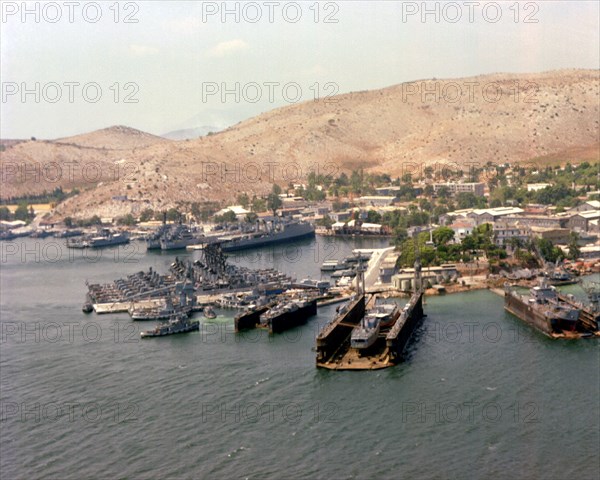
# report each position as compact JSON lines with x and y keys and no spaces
{"x":334,"y":350}
{"x":333,"y":343}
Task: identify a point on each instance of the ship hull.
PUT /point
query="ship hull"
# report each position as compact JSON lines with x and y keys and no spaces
{"x":151,"y":334}
{"x":526,"y":313}
{"x":293,"y":233}
{"x":152,"y":244}
{"x":248,"y":320}
{"x":108,"y":243}
{"x":178,"y":244}
{"x":288,"y":320}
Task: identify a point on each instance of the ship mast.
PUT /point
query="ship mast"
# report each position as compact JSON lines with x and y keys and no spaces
{"x":592,"y":289}
{"x":360,"y":282}
{"x":418,"y":283}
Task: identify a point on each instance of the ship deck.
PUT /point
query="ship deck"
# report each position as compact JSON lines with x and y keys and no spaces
{"x":375,"y":358}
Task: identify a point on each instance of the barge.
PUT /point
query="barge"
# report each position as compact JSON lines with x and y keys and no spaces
{"x":288,"y":315}
{"x":250,"y":318}
{"x":555,"y":315}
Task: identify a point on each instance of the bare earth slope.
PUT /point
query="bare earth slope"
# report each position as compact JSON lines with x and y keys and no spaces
{"x":493,"y":118}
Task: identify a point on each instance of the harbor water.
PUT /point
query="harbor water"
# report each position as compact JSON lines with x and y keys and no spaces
{"x":479,"y":395}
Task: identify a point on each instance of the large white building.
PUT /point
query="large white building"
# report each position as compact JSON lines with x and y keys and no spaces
{"x":455,"y":188}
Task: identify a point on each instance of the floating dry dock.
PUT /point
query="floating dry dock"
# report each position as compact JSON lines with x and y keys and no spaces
{"x":333,"y":343}
{"x":555,"y":314}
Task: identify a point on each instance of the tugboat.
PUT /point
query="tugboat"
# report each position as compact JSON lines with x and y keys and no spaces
{"x":176,"y":324}
{"x":209,"y":313}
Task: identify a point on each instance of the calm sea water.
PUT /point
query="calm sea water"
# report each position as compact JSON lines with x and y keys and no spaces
{"x":480,"y":395}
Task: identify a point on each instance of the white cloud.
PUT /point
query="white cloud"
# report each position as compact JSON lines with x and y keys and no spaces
{"x":228,"y":48}
{"x":142,"y":50}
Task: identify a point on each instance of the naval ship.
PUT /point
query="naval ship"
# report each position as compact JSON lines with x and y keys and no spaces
{"x":273,"y":233}
{"x":176,"y":324}
{"x":544,"y":310}
{"x":180,"y":236}
{"x":366,"y":332}
{"x":104,"y":238}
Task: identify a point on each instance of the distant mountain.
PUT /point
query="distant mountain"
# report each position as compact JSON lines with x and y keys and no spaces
{"x":544,"y":117}
{"x":81,"y":161}
{"x":190,"y":133}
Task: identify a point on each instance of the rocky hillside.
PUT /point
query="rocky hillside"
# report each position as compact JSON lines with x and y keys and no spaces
{"x":550,"y":116}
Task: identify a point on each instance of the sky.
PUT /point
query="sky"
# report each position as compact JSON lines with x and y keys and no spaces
{"x":73,"y":67}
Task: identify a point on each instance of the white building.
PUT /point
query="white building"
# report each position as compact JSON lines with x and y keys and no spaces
{"x":534,"y":187}
{"x":240,"y":212}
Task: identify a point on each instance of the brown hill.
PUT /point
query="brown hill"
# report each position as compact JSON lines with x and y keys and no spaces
{"x":497,"y":118}
{"x":35,"y":166}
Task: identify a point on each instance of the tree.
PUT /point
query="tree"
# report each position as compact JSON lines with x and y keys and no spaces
{"x":228,"y":217}
{"x":548,"y":251}
{"x":243,"y":200}
{"x":128,"y":220}
{"x":515,"y":243}
{"x":443,"y":192}
{"x":326,"y":222}
{"x":400,"y":235}
{"x":442,"y":235}
{"x":468,"y":200}
{"x":68,"y":221}
{"x":146,"y":215}
{"x":274,"y":202}
{"x":356,"y":181}
{"x":258,"y":205}
{"x":22,"y":212}
{"x":5,"y":213}
{"x":469,"y":243}
{"x":574,"y":251}
{"x":173,"y":214}
{"x":251,"y":217}
{"x":373,"y":216}
{"x":425,"y":205}
{"x":276,"y":189}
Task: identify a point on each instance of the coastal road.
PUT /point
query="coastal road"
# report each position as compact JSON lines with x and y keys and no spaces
{"x":372,"y":273}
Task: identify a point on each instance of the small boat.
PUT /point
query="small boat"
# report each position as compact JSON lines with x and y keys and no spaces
{"x":387,"y":313}
{"x":343,"y":273}
{"x":87,"y":307}
{"x":209,"y":313}
{"x":334,"y":265}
